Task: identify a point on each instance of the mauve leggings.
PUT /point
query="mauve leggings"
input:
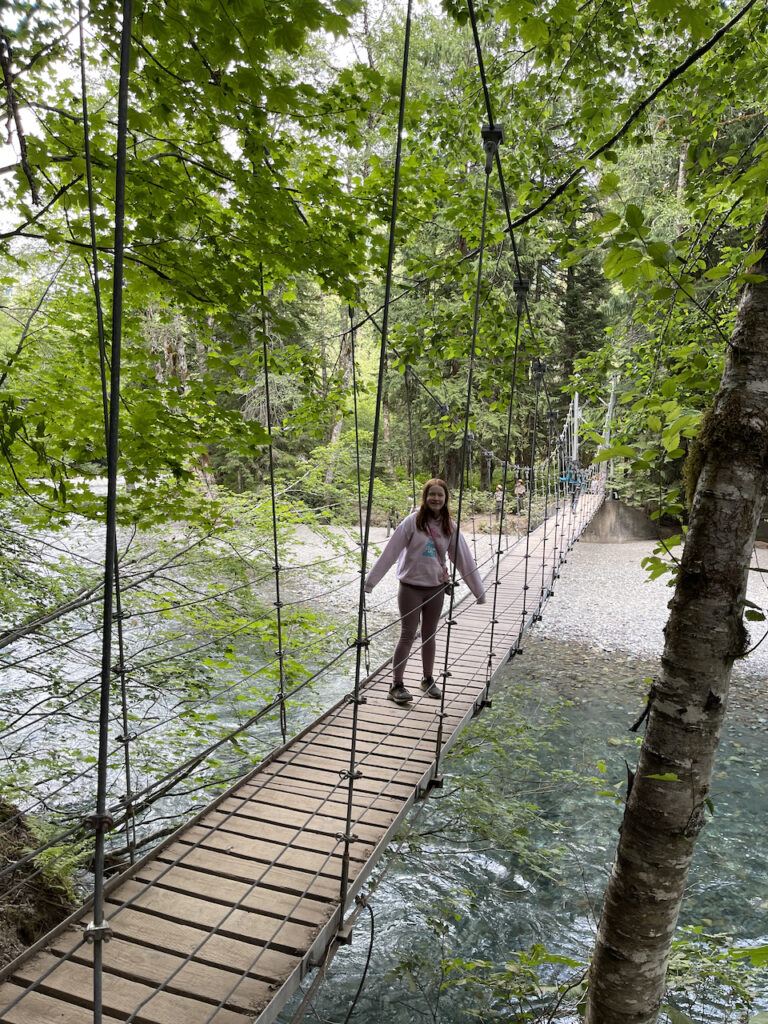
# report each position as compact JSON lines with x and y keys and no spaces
{"x":417,"y":603}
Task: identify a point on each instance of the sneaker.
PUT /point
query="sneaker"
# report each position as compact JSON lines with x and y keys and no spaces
{"x":399,"y":694}
{"x":431,"y":688}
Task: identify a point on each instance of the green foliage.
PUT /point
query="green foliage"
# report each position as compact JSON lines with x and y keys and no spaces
{"x":705,"y":964}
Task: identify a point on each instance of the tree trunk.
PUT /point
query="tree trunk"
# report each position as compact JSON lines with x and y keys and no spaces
{"x":666,"y":807}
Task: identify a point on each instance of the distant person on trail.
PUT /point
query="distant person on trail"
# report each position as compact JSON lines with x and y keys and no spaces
{"x":419,"y":546}
{"x":573,"y":482}
{"x":520,"y":492}
{"x":498,"y":499}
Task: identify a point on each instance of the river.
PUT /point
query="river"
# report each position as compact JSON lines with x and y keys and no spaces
{"x":453,"y":892}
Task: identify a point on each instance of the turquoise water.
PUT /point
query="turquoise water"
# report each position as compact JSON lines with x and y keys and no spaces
{"x":464,"y":885}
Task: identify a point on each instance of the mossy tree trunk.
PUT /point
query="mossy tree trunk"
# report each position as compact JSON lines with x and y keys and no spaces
{"x":666,"y":808}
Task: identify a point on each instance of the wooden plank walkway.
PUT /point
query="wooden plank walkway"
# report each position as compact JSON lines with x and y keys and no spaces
{"x":224,"y":920}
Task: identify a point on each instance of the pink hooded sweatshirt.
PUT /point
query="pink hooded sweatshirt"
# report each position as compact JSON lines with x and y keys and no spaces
{"x":421,"y":558}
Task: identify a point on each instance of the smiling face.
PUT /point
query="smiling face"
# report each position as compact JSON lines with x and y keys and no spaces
{"x":435,"y":498}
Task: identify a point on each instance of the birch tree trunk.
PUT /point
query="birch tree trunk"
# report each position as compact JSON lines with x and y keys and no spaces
{"x":703,"y":635}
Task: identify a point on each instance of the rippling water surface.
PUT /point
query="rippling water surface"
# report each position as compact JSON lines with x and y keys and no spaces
{"x":598,"y":642}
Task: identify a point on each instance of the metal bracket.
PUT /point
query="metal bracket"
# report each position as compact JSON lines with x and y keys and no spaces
{"x":99,"y":822}
{"x":97,"y":932}
{"x":345,"y":773}
{"x":538,"y":369}
{"x":492,"y":138}
{"x":521,"y":286}
{"x":343,"y":837}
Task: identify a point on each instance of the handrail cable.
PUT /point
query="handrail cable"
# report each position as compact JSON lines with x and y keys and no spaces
{"x":178,"y":860}
{"x":294,"y":755}
{"x":216,"y":927}
{"x":176,"y":775}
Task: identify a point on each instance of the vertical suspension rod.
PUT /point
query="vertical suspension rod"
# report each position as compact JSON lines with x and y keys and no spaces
{"x":538,"y":374}
{"x":275,"y":546}
{"x":505,"y":472}
{"x":97,"y":931}
{"x":491,"y":139}
{"x":130,"y":823}
{"x":361,"y":641}
{"x":353,"y":337}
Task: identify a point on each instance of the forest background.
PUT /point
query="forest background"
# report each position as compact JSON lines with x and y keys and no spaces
{"x":258,"y":195}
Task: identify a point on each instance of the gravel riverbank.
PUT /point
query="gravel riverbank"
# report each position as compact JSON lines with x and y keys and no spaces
{"x":605,"y":610}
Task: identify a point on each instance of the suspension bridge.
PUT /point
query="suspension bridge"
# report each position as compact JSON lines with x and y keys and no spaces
{"x":224,"y":921}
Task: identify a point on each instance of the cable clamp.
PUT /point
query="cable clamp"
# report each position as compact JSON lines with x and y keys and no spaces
{"x":492,"y":138}
{"x":345,"y":773}
{"x":99,"y":822}
{"x":344,"y":837}
{"x":538,"y":369}
{"x":521,"y":286}
{"x":353,"y":641}
{"x":356,"y":698}
{"x":126,"y":737}
{"x":97,"y":932}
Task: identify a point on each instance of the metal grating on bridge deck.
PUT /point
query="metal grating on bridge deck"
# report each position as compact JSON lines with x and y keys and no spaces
{"x":224,"y":920}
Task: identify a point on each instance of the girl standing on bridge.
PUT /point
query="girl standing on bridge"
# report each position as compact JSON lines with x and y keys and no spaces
{"x":419,"y":546}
